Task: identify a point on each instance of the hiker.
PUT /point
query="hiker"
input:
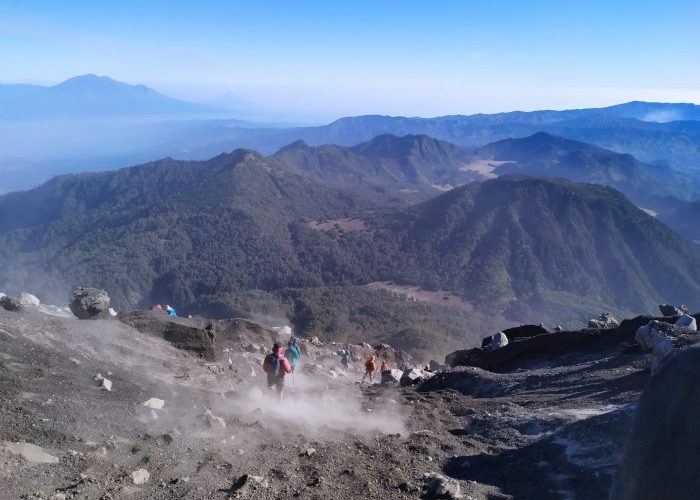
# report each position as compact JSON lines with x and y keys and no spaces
{"x":370,"y":368}
{"x":384,"y":367}
{"x":292,"y":353}
{"x":276,"y":366}
{"x":346,"y":357}
{"x":171,"y":311}
{"x":158,"y":308}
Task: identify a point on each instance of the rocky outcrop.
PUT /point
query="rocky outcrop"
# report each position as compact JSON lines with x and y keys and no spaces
{"x":660,"y":458}
{"x":178,"y":331}
{"x":469,"y":380}
{"x":549,"y":345}
{"x":90,"y":303}
{"x":665,"y":339}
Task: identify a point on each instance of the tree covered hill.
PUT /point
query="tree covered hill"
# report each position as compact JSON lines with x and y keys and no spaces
{"x":551,"y":155}
{"x":196,"y":232}
{"x":412,"y":167}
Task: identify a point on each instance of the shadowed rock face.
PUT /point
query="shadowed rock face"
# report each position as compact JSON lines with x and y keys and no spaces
{"x":178,"y":331}
{"x":660,"y":459}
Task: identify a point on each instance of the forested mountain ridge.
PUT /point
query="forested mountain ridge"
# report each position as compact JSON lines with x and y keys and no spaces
{"x":195,"y":232}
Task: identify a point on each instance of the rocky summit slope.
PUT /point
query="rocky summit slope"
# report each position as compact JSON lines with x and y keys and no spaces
{"x":133,"y":407}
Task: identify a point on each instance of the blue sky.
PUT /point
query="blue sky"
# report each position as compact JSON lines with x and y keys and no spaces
{"x":309,"y":60}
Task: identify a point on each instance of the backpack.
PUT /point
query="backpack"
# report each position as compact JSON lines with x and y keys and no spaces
{"x":274,"y":363}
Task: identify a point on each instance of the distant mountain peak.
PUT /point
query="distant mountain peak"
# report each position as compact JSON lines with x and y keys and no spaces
{"x":296,"y":145}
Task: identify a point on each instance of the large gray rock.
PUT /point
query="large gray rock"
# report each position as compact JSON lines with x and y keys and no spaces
{"x":391,"y":376}
{"x":660,"y":459}
{"x":498,"y":340}
{"x":413,"y":376}
{"x":687,"y":321}
{"x":439,"y":486}
{"x":28,"y":300}
{"x":90,"y":303}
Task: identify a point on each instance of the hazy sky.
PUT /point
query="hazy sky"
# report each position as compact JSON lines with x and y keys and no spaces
{"x":310,"y":60}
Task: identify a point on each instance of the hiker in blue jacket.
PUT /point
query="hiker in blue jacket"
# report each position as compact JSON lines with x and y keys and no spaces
{"x":292,"y":353}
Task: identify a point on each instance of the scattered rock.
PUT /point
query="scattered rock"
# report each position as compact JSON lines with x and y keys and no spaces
{"x":140,"y":476}
{"x":105,"y":384}
{"x":309,"y":452}
{"x":212,"y":420}
{"x":90,"y":303}
{"x":154,"y":403}
{"x":439,"y":486}
{"x":58,"y":496}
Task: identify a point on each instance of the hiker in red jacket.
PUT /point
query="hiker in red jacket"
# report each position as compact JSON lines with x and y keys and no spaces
{"x":276,"y":366}
{"x":370,"y":368}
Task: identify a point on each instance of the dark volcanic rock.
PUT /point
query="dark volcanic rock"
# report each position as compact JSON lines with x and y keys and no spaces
{"x":177,"y":331}
{"x":660,"y":458}
{"x":90,"y":303}
{"x":470,"y":380}
{"x":517,"y":333}
{"x":669,"y":310}
{"x":10,"y":304}
{"x":548,"y":345}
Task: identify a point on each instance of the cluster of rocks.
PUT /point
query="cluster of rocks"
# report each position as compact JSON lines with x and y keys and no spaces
{"x":23,"y":300}
{"x":605,"y":320}
{"x":664,"y":339}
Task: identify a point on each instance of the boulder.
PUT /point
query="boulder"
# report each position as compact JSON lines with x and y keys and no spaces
{"x":660,"y":456}
{"x":688,"y":322}
{"x":439,"y":486}
{"x":391,"y":376}
{"x":413,"y":376}
{"x":177,"y":331}
{"x":28,"y":300}
{"x":90,"y":303}
{"x":657,"y":342}
{"x":498,"y":340}
{"x":10,"y":304}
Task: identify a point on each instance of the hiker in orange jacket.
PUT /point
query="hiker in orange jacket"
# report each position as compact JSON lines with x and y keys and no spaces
{"x":276,"y":366}
{"x":370,"y":368}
